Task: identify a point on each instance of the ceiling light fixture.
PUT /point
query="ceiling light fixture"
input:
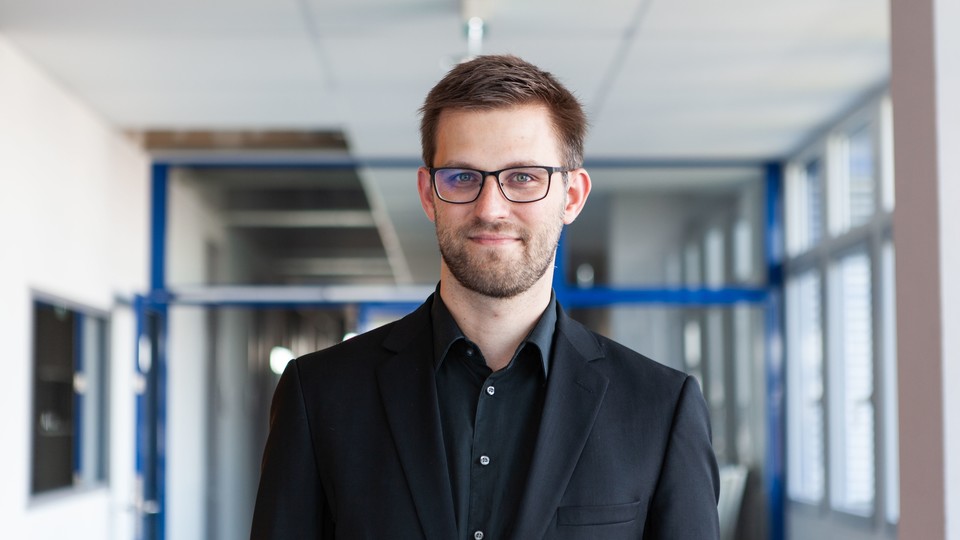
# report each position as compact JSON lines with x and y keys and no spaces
{"x":475,"y":29}
{"x":475,"y":14}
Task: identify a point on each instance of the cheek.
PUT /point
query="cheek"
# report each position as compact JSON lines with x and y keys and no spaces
{"x":445,"y":216}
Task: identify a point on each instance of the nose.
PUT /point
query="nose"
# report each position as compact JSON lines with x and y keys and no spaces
{"x":491,"y":205}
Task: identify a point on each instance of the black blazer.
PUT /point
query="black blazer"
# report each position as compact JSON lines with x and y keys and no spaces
{"x":355,"y":447}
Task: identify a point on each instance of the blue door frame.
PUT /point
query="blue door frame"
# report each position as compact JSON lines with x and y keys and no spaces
{"x":152,"y":313}
{"x":150,"y":364}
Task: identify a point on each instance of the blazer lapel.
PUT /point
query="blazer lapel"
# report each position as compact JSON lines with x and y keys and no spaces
{"x":574,"y":393}
{"x":409,"y":392}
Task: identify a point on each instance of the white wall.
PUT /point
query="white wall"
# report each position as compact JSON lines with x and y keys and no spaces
{"x":73,"y":224}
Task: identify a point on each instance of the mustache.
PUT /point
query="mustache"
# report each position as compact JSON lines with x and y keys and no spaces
{"x":477,"y":226}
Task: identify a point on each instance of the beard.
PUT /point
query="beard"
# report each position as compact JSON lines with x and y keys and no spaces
{"x":492,"y":272}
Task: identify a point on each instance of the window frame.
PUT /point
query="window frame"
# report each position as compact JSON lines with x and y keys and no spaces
{"x":91,"y":399}
{"x":839,"y":240}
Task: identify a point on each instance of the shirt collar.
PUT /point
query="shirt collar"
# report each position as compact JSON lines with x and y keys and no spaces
{"x":446,"y":332}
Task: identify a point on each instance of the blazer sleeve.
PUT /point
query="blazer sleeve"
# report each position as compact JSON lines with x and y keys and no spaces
{"x":684,"y":505}
{"x":290,"y":499}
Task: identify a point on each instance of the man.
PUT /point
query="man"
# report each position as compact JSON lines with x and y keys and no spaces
{"x":488,"y":412}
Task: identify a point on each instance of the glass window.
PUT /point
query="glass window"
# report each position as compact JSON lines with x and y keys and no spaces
{"x":805,"y":206}
{"x":68,"y":399}
{"x":891,"y":432}
{"x":856,"y":185}
{"x":840,"y":341}
{"x":852,"y":414}
{"x":813,"y":186}
{"x":861,"y":167}
{"x":805,"y":472}
{"x":886,"y":154}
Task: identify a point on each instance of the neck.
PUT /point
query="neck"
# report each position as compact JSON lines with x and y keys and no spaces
{"x":496,"y":325}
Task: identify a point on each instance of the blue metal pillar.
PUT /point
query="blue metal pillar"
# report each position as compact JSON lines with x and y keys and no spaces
{"x":150,"y":357}
{"x":158,"y":226}
{"x":774,"y":236}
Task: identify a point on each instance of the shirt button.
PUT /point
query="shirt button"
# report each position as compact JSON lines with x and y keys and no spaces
{"x":484,"y":460}
{"x":478,"y":535}
{"x":469,"y":351}
{"x":491,"y":390}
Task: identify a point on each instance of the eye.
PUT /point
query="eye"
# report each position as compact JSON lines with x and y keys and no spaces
{"x":523,"y":177}
{"x":457,"y":177}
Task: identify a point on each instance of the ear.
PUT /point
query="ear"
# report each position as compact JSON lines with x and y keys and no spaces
{"x":578,"y":189}
{"x":425,"y":188}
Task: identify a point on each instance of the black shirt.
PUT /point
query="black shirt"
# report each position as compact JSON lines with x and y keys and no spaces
{"x":490,"y":420}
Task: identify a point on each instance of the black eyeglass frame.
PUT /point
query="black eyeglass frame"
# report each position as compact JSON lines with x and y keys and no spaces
{"x":496,"y":174}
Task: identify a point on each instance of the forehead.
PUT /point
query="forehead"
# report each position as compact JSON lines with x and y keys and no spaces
{"x":524,"y":131}
{"x":527,"y":112}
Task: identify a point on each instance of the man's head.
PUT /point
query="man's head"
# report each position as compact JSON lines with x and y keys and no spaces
{"x":500,"y":82}
{"x":498,"y":231}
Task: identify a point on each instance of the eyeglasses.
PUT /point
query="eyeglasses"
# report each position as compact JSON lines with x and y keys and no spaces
{"x":517,"y":184}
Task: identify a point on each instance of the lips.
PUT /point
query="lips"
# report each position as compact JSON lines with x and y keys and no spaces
{"x":492,"y":238}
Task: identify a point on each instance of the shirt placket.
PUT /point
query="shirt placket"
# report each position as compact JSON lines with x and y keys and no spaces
{"x":483,"y":460}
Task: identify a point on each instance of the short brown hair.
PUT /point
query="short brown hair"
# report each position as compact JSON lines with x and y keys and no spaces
{"x":494,"y":82}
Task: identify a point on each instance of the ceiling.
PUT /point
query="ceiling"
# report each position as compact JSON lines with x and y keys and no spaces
{"x":677,"y":80}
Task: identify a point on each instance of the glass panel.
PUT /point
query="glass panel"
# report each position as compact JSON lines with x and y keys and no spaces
{"x":860,"y":193}
{"x":805,"y":467}
{"x":813,"y":185}
{"x":886,"y":140}
{"x":891,"y":433}
{"x":805,"y":207}
{"x":90,"y":389}
{"x":53,"y":404}
{"x":852,"y":417}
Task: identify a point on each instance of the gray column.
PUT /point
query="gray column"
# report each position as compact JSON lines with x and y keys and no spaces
{"x":925,"y":87}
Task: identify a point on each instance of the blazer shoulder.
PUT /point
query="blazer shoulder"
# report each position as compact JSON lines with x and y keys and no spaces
{"x":615,"y":358}
{"x":627,"y":368}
